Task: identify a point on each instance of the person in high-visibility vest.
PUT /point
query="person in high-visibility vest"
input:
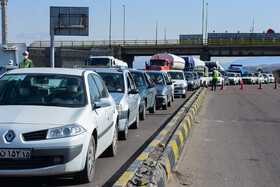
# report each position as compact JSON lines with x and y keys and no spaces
{"x":214,"y":79}
{"x":26,"y":62}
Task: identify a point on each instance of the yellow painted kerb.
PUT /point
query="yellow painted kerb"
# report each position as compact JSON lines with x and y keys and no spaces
{"x":179,"y":133}
{"x":123,"y":180}
{"x":143,"y":156}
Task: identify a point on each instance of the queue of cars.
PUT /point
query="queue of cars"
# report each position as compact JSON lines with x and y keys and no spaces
{"x":256,"y":78}
{"x":59,"y":121}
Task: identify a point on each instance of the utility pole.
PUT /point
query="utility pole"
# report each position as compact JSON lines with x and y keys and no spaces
{"x":110,"y":27}
{"x":123,"y":23}
{"x":202,"y":19}
{"x":206,"y":24}
{"x":156,"y":32}
{"x":4,"y":21}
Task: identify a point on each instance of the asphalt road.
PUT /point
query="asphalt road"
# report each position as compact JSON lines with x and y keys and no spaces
{"x":235,"y":140}
{"x":109,"y":169}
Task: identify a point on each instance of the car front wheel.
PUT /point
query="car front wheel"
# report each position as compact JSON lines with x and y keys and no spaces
{"x":124,"y":134}
{"x":112,"y":149}
{"x":135,"y":125}
{"x":153,"y":108}
{"x":87,"y":175}
{"x":143,"y":113}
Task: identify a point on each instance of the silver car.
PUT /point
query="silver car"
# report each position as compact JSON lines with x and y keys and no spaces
{"x":164,"y":89}
{"x":121,"y":86}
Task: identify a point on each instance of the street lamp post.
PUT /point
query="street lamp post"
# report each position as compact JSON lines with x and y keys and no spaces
{"x":156,"y":32}
{"x":110,"y":27}
{"x":202,"y":19}
{"x":123,"y":24}
{"x":206,"y":24}
{"x":4,"y":21}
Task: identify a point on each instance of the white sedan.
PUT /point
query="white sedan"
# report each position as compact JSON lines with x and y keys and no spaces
{"x":55,"y":121}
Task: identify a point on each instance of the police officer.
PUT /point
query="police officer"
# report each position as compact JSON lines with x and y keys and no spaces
{"x":26,"y":62}
{"x":214,"y":78}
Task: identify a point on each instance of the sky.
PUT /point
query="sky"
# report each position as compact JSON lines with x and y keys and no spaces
{"x":28,"y":20}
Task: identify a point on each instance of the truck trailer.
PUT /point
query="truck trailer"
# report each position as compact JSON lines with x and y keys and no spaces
{"x":192,"y":62}
{"x":105,"y":61}
{"x":165,"y":61}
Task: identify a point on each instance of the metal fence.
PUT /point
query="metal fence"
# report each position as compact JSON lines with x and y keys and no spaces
{"x":189,"y":42}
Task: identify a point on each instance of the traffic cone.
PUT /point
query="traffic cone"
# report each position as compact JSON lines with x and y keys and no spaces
{"x":276,"y":85}
{"x":260,"y":85}
{"x":242,"y":85}
{"x":222,"y":86}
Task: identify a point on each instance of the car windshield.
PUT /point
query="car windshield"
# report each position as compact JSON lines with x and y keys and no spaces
{"x":157,"y":78}
{"x":189,"y":75}
{"x":138,"y":79}
{"x":176,"y":75}
{"x":231,"y":75}
{"x":223,"y":73}
{"x":157,"y":62}
{"x":200,"y":74}
{"x":42,"y":89}
{"x":113,"y":81}
{"x":248,"y":75}
{"x":99,"y":62}
{"x":210,"y":74}
{"x":270,"y":75}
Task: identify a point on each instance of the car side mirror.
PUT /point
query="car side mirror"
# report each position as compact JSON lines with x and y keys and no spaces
{"x":169,"y":83}
{"x":133,"y":91}
{"x":101,"y":103}
{"x":151,"y":85}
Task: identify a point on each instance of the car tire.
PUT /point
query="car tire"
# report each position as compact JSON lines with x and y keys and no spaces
{"x":153,"y":108}
{"x":113,"y":148}
{"x":164,"y":107}
{"x":169,"y":104}
{"x":184,"y":95}
{"x":135,"y":125}
{"x":124,"y":134}
{"x":172,"y":97}
{"x":143,"y":113}
{"x":87,"y":174}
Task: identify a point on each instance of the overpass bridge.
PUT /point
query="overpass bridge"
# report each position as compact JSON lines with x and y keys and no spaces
{"x":70,"y":53}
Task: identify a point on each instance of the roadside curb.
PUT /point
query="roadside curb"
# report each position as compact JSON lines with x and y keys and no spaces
{"x":168,"y":160}
{"x":175,"y":146}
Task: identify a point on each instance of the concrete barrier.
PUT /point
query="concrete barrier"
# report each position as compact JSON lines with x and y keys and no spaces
{"x":155,"y":169}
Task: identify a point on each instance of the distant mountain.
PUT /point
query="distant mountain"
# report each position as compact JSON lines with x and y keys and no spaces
{"x":265,"y":68}
{"x":254,"y":61}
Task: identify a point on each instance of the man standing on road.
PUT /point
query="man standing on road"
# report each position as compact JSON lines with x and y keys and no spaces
{"x":26,"y":62}
{"x":214,"y":79}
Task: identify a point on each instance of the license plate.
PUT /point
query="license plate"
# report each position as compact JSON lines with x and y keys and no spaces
{"x":15,"y":153}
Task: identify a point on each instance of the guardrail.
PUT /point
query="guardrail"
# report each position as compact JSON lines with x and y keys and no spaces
{"x":183,"y":42}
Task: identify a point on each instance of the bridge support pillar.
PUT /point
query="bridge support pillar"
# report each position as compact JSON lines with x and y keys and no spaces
{"x":205,"y":56}
{"x":128,"y":59}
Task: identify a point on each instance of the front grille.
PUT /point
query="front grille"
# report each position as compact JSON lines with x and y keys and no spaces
{"x":33,"y":163}
{"x":37,"y":135}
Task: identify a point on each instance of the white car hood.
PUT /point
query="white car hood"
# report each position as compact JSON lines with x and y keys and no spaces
{"x":40,"y":115}
{"x":179,"y":81}
{"x":117,"y":97}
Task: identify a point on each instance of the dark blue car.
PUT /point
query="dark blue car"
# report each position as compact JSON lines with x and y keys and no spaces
{"x":147,"y":91}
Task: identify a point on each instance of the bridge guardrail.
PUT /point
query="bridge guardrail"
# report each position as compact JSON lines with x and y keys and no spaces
{"x":190,"y":42}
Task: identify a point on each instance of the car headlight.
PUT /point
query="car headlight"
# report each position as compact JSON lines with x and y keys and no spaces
{"x":119,"y":107}
{"x":65,"y":131}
